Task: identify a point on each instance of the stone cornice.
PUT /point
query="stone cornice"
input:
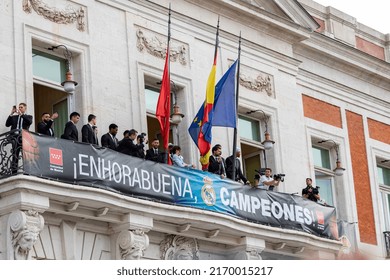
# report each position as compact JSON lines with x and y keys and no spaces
{"x":330,"y":51}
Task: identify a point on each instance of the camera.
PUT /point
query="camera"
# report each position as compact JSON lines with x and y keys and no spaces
{"x":279,"y":177}
{"x":311,"y":191}
{"x":142,"y":137}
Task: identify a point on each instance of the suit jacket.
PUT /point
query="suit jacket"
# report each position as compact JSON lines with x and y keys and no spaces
{"x":217,"y":167}
{"x":229,"y":170}
{"x":127,"y":146}
{"x":88,"y":135}
{"x":108,"y":142}
{"x":151,"y":155}
{"x":70,"y":132}
{"x":46,"y":128}
{"x":12,"y":121}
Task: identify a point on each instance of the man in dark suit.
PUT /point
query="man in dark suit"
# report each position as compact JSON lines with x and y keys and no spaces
{"x":89,"y":131}
{"x":109,"y":139}
{"x":18,"y":119}
{"x":154,"y":154}
{"x":217,"y":164}
{"x":70,"y":131}
{"x":229,"y":168}
{"x":45,"y":126}
{"x":127,"y":145}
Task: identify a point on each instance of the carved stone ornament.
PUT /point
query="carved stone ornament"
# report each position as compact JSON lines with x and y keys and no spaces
{"x":176,"y":247}
{"x":67,"y":16}
{"x":262,"y":83}
{"x":132,"y":244}
{"x":248,"y":254}
{"x":158,"y":47}
{"x":25,"y":228}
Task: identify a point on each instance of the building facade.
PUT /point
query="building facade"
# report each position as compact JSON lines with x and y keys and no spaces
{"x":317,"y":79}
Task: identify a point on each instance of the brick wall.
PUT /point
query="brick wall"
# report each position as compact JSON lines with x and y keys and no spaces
{"x":379,"y":131}
{"x":357,"y":143}
{"x":321,"y":111}
{"x":370,"y":48}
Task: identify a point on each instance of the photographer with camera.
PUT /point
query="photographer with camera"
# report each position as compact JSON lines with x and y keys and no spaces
{"x":310,"y":192}
{"x":127,"y":145}
{"x":141,"y":139}
{"x":268,"y":181}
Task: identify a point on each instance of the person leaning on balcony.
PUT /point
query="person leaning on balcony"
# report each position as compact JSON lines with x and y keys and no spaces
{"x":217,"y":164}
{"x":45,"y":126}
{"x":229,"y":168}
{"x":89,"y":131}
{"x":267,"y":181}
{"x":177,"y":158}
{"x":70,"y":131}
{"x":109,"y":139}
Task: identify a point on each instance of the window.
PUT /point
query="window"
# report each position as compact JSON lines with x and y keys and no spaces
{"x":249,"y":128}
{"x":323,"y":173}
{"x":321,"y":157}
{"x":48,"y":67}
{"x":384,"y":186}
{"x":48,"y":74}
{"x":252,"y":151}
{"x":151,"y":99}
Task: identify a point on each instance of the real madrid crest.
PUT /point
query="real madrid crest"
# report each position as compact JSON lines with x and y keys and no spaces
{"x":208,"y":193}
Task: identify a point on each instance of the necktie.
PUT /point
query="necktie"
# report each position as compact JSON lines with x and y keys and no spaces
{"x":155,"y":151}
{"x":20,"y":121}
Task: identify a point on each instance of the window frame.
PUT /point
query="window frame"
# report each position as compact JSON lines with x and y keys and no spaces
{"x":326,"y":173}
{"x":385,"y":196}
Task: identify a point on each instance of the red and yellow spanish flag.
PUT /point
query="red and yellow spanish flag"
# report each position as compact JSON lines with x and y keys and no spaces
{"x":200,"y":129}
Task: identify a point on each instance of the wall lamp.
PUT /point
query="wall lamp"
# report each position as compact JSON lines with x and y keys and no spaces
{"x":176,"y":116}
{"x":69,"y":85}
{"x":339,"y":170}
{"x":267,"y":143}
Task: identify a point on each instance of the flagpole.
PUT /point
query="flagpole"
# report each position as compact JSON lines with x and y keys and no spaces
{"x":237,"y":92}
{"x":216,"y":43}
{"x":169,"y":70}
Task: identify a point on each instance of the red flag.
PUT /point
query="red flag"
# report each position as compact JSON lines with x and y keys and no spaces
{"x":163,"y":109}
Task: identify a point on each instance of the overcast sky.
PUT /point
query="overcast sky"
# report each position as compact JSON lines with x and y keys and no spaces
{"x":373,"y":13}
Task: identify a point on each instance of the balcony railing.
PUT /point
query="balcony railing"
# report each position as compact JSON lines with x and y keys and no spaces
{"x":387,"y":242}
{"x":10,"y":153}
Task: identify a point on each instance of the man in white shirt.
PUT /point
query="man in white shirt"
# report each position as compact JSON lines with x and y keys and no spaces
{"x":267,"y":181}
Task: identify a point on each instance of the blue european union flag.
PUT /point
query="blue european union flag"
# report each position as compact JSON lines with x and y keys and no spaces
{"x":225,"y":103}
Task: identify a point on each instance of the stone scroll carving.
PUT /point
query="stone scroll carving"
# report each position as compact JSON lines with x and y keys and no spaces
{"x":132,"y":244}
{"x":25,"y":227}
{"x":262,"y":83}
{"x":176,"y":247}
{"x":158,"y":47}
{"x":67,"y":16}
{"x":249,"y":254}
